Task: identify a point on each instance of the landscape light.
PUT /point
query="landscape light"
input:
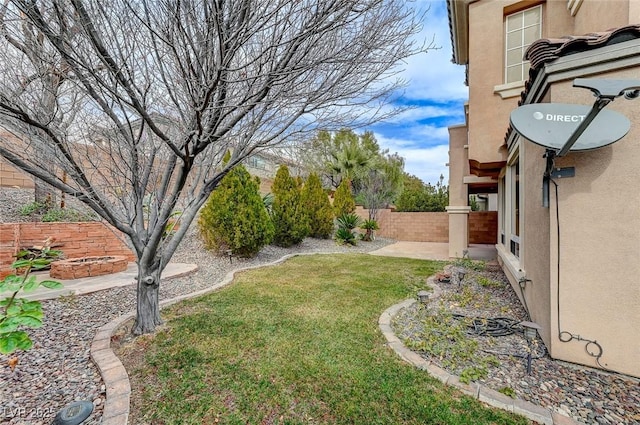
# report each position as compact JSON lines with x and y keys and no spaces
{"x":74,"y":413}
{"x":423,"y":297}
{"x":530,"y":332}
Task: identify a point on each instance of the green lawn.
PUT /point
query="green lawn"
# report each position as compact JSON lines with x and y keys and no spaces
{"x":295,"y":344}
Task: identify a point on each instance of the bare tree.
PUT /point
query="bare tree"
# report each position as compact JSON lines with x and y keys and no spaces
{"x":146,"y":97}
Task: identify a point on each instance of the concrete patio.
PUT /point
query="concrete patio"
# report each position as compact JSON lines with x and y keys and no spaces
{"x":434,"y":251}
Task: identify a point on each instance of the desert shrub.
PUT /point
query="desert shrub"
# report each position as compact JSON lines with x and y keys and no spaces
{"x":287,"y":211}
{"x":234,"y":217}
{"x":346,"y":224}
{"x":343,"y":202}
{"x":317,"y":207}
{"x":66,"y":215}
{"x":34,"y":207}
{"x":369,"y":226}
{"x":47,"y":213}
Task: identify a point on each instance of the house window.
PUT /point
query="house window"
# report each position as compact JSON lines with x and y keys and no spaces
{"x":514,"y":208}
{"x":256,"y":162}
{"x":521,"y":29}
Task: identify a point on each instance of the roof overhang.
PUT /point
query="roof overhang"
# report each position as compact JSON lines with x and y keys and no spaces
{"x":604,"y":54}
{"x":459,"y":27}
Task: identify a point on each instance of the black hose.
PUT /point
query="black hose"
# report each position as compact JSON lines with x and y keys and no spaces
{"x":495,"y":326}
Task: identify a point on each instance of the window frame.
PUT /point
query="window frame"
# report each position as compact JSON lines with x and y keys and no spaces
{"x":511,"y":214}
{"x":522,"y":64}
{"x":515,"y":231}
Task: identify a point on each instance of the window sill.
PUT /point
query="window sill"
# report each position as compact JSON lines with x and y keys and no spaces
{"x":510,"y":262}
{"x":507,"y":91}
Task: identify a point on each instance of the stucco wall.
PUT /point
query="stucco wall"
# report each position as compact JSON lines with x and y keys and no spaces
{"x":458,"y":165}
{"x":488,"y":112}
{"x":599,"y":254}
{"x":76,"y":240}
{"x":599,"y":251}
{"x":598,"y":15}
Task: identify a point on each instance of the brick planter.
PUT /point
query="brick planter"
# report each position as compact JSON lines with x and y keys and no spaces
{"x":75,"y":268}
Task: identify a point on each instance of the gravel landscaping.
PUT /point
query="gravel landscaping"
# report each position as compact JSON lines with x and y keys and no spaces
{"x":587,"y":395}
{"x":58,"y":370}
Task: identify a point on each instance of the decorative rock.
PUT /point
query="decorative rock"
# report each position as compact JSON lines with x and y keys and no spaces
{"x":581,"y":393}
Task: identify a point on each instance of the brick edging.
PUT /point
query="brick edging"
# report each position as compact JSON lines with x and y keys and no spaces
{"x":486,"y":395}
{"x":112,"y":371}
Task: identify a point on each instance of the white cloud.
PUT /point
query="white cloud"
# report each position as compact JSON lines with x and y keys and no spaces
{"x":432,"y":75}
{"x":426,"y":112}
{"x":436,"y":85}
{"x":427,"y":163}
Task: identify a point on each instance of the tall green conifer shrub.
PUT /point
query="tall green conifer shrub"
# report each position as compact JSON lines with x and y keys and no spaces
{"x":234,"y":218}
{"x":343,"y":202}
{"x":318,"y":208}
{"x":287,"y":212}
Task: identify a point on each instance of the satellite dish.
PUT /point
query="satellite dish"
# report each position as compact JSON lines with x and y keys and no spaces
{"x":551,"y":124}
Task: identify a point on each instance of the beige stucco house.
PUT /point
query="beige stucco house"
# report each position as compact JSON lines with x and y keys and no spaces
{"x":575,"y":262}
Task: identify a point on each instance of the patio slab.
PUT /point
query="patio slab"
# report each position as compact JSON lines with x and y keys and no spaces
{"x":87,"y":285}
{"x":434,"y":251}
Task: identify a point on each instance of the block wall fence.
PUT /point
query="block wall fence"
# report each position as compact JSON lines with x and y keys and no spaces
{"x":12,"y":177}
{"x":433,"y":226}
{"x":75,"y":240}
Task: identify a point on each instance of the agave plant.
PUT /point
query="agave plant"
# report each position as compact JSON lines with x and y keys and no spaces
{"x":349,"y":221}
{"x":346,"y":223}
{"x":345,"y":237}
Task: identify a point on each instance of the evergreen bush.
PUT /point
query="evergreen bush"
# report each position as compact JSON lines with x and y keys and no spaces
{"x":343,"y":202}
{"x":234,"y":217}
{"x":287,"y":212}
{"x":318,"y":208}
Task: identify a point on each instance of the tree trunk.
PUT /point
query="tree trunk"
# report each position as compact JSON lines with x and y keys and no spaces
{"x":148,"y":308}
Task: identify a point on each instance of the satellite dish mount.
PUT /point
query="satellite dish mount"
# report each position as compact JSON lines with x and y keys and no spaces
{"x":545,"y":123}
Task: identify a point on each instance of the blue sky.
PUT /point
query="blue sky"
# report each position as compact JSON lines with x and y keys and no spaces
{"x":436,"y":91}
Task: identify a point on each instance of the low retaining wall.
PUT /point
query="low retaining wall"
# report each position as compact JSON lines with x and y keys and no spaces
{"x":75,"y":240}
{"x":76,"y":268}
{"x":432,"y":226}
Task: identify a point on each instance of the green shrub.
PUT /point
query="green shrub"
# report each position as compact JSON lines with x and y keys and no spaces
{"x":287,"y":212}
{"x":16,"y":313}
{"x":508,"y":391}
{"x":317,"y":207}
{"x":369,"y":226}
{"x":32,"y":208}
{"x":345,"y":237}
{"x":55,"y":214}
{"x":346,"y":225}
{"x":349,"y":221}
{"x":66,"y":215}
{"x":234,"y":217}
{"x":343,"y":202}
